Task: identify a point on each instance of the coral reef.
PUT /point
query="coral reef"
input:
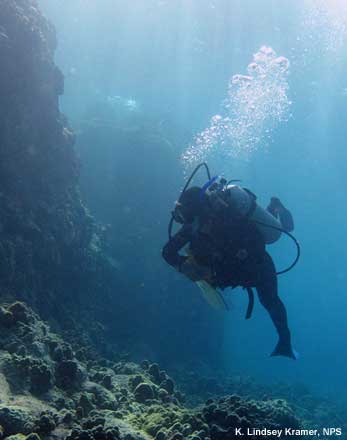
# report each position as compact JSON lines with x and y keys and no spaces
{"x":48,"y":392}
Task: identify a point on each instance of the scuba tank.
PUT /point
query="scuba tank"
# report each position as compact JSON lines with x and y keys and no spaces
{"x":243,"y":203}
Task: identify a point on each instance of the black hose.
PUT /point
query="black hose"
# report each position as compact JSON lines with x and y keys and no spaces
{"x":250,"y":302}
{"x":203,"y":164}
{"x":298,"y":249}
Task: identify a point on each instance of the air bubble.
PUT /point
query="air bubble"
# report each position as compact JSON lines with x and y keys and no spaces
{"x":255,"y":105}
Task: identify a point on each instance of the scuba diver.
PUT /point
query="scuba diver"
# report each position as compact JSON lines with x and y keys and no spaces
{"x":225,"y":232}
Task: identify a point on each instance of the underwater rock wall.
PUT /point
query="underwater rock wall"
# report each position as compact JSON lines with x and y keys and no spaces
{"x":48,"y":243}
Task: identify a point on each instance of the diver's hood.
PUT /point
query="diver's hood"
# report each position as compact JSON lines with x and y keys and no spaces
{"x":190,"y":205}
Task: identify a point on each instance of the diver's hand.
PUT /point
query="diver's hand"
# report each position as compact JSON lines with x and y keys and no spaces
{"x":193,"y":271}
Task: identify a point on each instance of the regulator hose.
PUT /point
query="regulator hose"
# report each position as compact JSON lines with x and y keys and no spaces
{"x":298,"y":248}
{"x":203,"y":164}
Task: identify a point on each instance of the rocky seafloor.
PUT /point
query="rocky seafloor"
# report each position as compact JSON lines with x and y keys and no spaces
{"x":50,"y":389}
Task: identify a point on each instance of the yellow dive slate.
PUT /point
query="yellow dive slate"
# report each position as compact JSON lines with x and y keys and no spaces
{"x":212,"y":296}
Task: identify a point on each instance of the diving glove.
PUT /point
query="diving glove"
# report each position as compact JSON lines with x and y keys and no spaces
{"x":194,"y":271}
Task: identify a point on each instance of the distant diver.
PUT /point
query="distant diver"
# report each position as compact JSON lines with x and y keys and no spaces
{"x":224,"y":232}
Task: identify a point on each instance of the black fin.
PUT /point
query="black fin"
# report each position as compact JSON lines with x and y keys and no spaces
{"x":285,"y":350}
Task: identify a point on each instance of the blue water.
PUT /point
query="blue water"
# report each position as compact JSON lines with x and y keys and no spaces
{"x":167,"y":64}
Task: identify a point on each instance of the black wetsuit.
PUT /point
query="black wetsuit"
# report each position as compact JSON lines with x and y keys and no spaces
{"x":235,"y":251}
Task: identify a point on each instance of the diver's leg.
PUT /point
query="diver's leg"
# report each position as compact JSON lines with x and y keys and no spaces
{"x":268,"y":296}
